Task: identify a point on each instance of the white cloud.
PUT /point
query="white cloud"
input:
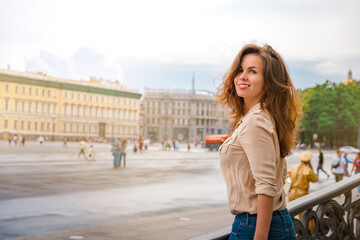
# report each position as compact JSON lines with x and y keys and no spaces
{"x":90,"y":37}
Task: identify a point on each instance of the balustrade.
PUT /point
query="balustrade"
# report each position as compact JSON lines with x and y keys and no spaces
{"x":334,"y":212}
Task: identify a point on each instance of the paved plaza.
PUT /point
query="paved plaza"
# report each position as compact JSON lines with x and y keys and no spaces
{"x":47,"y":189}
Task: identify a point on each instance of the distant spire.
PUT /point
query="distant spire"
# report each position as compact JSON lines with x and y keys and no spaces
{"x":349,"y":74}
{"x":193,"y":83}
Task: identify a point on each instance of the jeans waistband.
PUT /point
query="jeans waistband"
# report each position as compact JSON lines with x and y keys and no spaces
{"x":280,"y":213}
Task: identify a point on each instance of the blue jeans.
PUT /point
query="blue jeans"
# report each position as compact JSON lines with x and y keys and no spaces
{"x":116,"y":158}
{"x":281,"y":226}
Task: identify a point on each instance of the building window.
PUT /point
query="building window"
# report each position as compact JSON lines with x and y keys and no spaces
{"x":65,"y":106}
{"x":49,"y":93}
{"x":22,"y":124}
{"x":29,"y":107}
{"x":72,"y":110}
{"x":97,"y":98}
{"x":24,"y":90}
{"x":43,"y":92}
{"x":90,"y":98}
{"x":6,"y":123}
{"x":54,"y":127}
{"x":7,"y":88}
{"x":64,"y":127}
{"x":84,"y":96}
{"x":72,"y":96}
{"x":7,"y":105}
{"x":16,"y":89}
{"x":16,"y":106}
{"x":102,"y":99}
{"x":49,"y":108}
{"x":29,"y":125}
{"x":15,"y":124}
{"x":55,"y":93}
{"x":79,"y":96}
{"x":48,"y":127}
{"x":36,"y":92}
{"x":35,"y":127}
{"x":42,"y":126}
{"x":65,"y":95}
{"x":30,"y":91}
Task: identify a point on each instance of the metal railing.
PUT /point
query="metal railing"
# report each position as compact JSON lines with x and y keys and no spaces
{"x":330,"y":218}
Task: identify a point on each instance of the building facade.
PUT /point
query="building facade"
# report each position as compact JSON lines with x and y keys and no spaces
{"x":34,"y":104}
{"x":181,"y":115}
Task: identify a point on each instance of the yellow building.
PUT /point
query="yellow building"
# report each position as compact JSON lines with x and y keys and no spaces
{"x":34,"y":104}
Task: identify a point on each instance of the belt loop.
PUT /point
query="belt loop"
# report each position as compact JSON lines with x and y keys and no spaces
{"x":282,"y":217}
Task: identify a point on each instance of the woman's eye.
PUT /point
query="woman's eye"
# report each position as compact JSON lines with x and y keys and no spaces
{"x":252,"y":71}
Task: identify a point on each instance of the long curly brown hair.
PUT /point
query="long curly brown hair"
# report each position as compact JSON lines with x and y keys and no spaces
{"x":279,"y":96}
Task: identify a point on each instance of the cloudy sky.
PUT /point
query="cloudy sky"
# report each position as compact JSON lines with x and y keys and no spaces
{"x":161,"y":43}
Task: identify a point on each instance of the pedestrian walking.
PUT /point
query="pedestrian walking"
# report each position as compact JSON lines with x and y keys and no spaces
{"x":23,"y":139}
{"x":301,"y":175}
{"x":115,"y":152}
{"x":82,"y":146}
{"x":338,"y":166}
{"x":123,"y":152}
{"x":64,"y":142}
{"x":91,"y":153}
{"x":141,"y":144}
{"x":9,"y":139}
{"x":135,"y":148}
{"x":320,"y":164}
{"x":265,"y":105}
{"x":146,"y":145}
{"x":347,"y":161}
{"x":188,"y":146}
{"x":356,"y":167}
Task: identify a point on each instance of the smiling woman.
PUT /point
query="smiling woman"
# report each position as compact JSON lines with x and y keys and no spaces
{"x":264,"y":106}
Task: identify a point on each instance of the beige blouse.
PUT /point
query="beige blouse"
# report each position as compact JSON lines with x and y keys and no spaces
{"x":251,"y":164}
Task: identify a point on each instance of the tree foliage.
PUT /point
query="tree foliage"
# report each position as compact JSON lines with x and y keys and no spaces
{"x":332,"y":111}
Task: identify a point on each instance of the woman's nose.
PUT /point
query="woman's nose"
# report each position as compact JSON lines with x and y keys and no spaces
{"x":242,"y":76}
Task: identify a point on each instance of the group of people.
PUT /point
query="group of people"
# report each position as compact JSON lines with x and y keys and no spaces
{"x":90,"y":156}
{"x":15,"y":139}
{"x":141,"y":145}
{"x":118,"y":150}
{"x":168,"y":144}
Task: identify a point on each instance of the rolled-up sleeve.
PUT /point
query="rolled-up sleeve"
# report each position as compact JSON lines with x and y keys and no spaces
{"x":259,"y":147}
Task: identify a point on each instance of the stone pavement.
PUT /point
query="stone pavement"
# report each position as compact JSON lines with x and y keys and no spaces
{"x":176,"y":226}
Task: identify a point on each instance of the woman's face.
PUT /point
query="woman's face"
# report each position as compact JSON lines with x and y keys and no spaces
{"x":249,"y":81}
